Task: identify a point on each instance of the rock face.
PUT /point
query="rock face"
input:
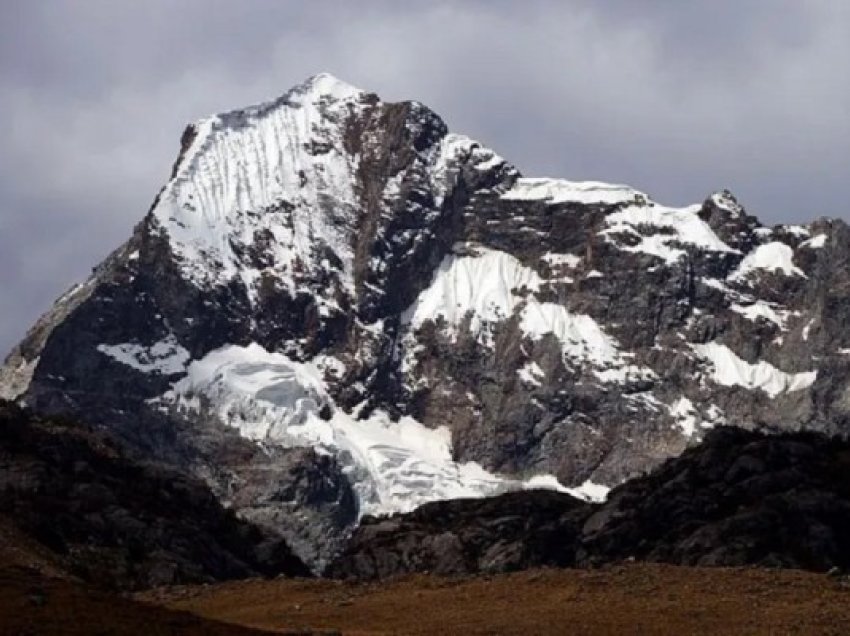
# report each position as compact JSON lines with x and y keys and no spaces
{"x":740,"y":498}
{"x":117,"y":523}
{"x":512,"y":531}
{"x":335,"y":307}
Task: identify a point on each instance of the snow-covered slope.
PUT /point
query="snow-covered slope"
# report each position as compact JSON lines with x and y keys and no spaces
{"x":267,"y":170}
{"x":481,"y":288}
{"x":682,"y":226}
{"x":394,"y":466}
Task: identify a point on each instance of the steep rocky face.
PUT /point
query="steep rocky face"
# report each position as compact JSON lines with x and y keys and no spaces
{"x":740,"y":498}
{"x":335,"y":307}
{"x":117,"y":523}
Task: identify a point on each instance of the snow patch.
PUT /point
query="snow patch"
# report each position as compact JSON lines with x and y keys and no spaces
{"x":682,"y":225}
{"x":484,"y":284}
{"x":761,"y":309}
{"x":725,"y":201}
{"x":553,"y":191}
{"x":580,"y":336}
{"x":166,"y":357}
{"x":685,"y":415}
{"x":624,"y":373}
{"x":816,"y":242}
{"x":772,"y":257}
{"x":15,"y":380}
{"x":587,"y":491}
{"x":730,"y":370}
{"x":797,"y":230}
{"x":530,"y":373}
{"x":565,"y":260}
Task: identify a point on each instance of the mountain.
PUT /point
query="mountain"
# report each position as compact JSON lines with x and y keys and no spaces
{"x":739,"y":498}
{"x":336,"y":308}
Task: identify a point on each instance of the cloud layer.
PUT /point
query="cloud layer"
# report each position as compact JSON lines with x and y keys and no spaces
{"x":678,"y":99}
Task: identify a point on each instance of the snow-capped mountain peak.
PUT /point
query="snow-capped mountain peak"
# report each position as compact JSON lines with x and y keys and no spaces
{"x":325,"y":85}
{"x":288,"y":175}
{"x":336,"y":306}
{"x":278,"y":172}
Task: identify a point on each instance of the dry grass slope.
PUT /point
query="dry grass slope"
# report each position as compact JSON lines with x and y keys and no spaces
{"x":625,"y":599}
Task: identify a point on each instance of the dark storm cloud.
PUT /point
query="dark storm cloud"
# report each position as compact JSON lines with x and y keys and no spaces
{"x":676,"y":98}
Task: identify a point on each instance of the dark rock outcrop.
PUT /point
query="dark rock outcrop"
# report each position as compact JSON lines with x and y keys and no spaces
{"x":509,"y":532}
{"x":118,"y":523}
{"x":739,"y":499}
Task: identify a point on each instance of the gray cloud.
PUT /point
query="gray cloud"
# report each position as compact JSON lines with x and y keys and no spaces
{"x":678,"y":99}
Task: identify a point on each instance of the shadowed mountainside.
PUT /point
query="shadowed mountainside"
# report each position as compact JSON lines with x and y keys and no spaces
{"x":117,"y":523}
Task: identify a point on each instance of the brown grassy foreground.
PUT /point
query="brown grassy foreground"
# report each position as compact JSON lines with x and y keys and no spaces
{"x":628,"y":599}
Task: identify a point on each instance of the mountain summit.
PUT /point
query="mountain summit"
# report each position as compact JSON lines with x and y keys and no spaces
{"x":335,"y":307}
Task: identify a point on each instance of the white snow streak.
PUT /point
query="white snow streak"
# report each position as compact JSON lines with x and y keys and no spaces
{"x":588,"y":491}
{"x":554,"y":191}
{"x":565,"y":260}
{"x":530,"y":373}
{"x":762,"y":309}
{"x":730,"y":370}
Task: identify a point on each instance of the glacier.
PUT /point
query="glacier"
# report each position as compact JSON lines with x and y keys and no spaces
{"x":394,"y":466}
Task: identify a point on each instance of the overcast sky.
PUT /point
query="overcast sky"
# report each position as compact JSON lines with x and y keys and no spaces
{"x":675,"y":98}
